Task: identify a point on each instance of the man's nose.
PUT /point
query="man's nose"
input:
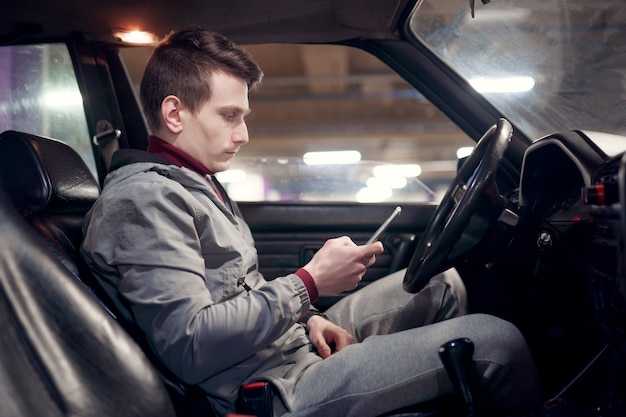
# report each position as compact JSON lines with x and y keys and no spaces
{"x":240,"y":135}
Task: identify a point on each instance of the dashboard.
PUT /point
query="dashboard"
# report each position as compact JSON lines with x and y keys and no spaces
{"x":606,"y":269}
{"x":578,"y":180}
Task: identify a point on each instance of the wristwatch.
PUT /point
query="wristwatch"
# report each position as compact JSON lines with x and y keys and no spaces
{"x":306,"y":316}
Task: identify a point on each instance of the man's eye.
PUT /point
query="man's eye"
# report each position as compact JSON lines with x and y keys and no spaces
{"x":229,"y":116}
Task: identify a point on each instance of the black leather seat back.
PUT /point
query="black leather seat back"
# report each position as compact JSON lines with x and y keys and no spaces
{"x":61,"y":354}
{"x":77,"y":348}
{"x":52,"y":188}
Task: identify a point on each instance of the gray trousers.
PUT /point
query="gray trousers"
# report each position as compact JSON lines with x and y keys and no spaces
{"x":394,"y":361}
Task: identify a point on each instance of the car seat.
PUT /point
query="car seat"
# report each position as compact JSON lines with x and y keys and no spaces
{"x":52,"y":188}
{"x":61,"y":354}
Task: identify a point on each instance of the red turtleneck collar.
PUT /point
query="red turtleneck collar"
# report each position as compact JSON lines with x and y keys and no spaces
{"x":175,"y":155}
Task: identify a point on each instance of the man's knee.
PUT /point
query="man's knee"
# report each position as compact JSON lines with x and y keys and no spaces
{"x":454,"y":300}
{"x":505,"y":362}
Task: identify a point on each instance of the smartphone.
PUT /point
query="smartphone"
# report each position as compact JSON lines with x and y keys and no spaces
{"x":384,"y":226}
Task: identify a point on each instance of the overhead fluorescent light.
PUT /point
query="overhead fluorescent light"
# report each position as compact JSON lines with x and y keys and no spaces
{"x":517,"y":84}
{"x":332,"y":157}
{"x":494,"y":16}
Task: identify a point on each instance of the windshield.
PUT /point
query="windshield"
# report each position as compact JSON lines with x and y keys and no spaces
{"x":547,"y":65}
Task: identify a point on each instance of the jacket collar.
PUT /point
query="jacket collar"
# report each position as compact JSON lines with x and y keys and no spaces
{"x":126,"y":156}
{"x":176,"y":156}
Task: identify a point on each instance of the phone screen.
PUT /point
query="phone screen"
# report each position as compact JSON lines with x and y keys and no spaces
{"x":384,"y":226}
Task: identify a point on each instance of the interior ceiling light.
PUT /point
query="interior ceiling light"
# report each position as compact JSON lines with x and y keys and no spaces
{"x":137,"y":37}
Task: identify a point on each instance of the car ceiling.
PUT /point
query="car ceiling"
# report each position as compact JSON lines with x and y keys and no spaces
{"x":244,"y":21}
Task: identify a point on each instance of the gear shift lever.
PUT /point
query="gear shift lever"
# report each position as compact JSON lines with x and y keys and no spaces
{"x":456,"y":356}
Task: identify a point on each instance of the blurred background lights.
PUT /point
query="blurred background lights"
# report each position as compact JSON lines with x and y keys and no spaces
{"x":331,"y":157}
{"x":373,"y":195}
{"x":386,"y":182}
{"x":252,"y":189}
{"x":62,"y":98}
{"x":464,"y":151}
{"x":401,"y":170}
{"x":231,"y":176}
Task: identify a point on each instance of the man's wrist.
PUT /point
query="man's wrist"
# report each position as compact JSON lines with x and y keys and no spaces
{"x":308,"y":282}
{"x":307,"y":316}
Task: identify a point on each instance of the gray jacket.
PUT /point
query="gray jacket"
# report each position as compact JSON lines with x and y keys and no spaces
{"x":170,"y":254}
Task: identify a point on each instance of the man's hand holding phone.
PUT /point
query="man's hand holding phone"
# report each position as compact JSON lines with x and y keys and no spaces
{"x":340,"y":264}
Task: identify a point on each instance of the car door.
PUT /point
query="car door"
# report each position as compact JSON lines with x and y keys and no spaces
{"x":287,"y":234}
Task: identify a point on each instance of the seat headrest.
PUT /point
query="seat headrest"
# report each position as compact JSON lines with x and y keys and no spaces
{"x":43,"y":174}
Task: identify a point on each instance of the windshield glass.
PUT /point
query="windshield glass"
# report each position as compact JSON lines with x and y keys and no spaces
{"x":547,"y":65}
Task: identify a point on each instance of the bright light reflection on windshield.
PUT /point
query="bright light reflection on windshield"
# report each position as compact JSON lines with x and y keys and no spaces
{"x":548,"y":66}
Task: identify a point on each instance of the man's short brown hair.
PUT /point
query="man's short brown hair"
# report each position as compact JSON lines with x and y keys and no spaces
{"x":182,"y":64}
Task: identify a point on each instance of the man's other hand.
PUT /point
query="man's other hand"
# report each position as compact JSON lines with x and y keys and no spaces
{"x":327,"y":337}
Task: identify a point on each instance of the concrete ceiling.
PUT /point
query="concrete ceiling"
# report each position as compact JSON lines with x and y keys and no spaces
{"x":336,"y":98}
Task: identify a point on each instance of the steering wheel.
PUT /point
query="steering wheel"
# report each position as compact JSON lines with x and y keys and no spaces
{"x":450,"y":234}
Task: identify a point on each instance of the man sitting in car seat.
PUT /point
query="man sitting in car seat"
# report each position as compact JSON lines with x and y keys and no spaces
{"x":167,"y":243}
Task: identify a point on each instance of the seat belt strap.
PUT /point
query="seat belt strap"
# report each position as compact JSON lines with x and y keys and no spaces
{"x":107,"y":140}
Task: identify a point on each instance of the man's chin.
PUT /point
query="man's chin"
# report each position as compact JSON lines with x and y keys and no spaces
{"x":221,"y":167}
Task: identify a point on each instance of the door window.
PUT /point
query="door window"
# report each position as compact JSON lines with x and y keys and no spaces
{"x":39,"y":94}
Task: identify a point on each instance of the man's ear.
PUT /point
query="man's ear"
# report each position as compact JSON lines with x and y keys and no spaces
{"x":170,"y":113}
